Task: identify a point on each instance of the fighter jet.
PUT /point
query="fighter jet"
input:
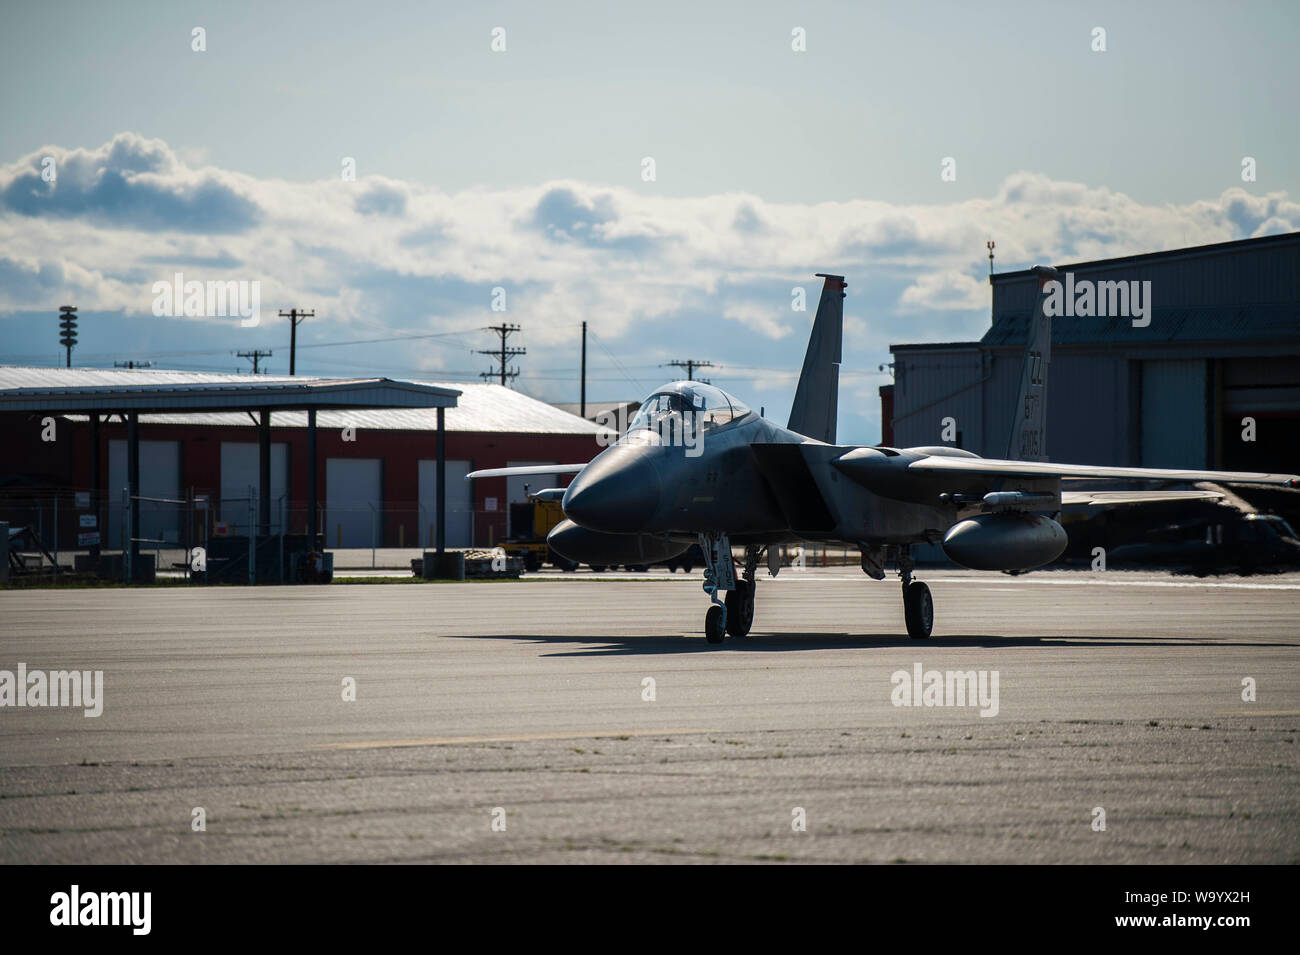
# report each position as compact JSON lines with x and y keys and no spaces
{"x":697,"y":465}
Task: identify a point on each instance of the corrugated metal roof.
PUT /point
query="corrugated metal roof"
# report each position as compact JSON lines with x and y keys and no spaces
{"x":24,"y":376}
{"x":73,"y":390}
{"x":1254,"y":244}
{"x":1273,"y":324}
{"x":479,"y":408}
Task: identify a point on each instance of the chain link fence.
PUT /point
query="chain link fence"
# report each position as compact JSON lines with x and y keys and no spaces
{"x":78,"y":533}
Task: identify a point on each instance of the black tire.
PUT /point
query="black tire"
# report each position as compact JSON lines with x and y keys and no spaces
{"x":714,"y":631}
{"x":597,"y":568}
{"x":918,"y":610}
{"x":637,"y":568}
{"x":532,"y":563}
{"x":740,"y":608}
{"x":686,"y":567}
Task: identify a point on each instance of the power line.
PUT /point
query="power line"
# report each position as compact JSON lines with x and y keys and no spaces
{"x":641,"y":388}
{"x":295,"y":316}
{"x":503,"y":354}
{"x":256,"y":355}
{"x":690,"y":364}
{"x":195,"y":352}
{"x":394,"y":338}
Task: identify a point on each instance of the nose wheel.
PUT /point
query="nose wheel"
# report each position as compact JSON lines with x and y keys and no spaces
{"x":715,"y":624}
{"x":736,"y":615}
{"x":740,"y":608}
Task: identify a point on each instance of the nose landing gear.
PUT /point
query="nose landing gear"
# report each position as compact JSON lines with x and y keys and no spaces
{"x":736,"y":615}
{"x":740,"y":608}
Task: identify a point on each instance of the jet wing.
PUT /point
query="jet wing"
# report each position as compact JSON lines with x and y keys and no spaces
{"x":1091,"y":472}
{"x":1109,"y":498}
{"x":524,"y":470}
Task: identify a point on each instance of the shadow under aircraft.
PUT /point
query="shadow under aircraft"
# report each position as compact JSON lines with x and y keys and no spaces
{"x":696,"y":465}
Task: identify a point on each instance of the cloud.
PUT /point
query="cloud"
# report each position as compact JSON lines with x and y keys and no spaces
{"x":766,"y":318}
{"x":130,"y":183}
{"x":565,"y":216}
{"x":945,"y":291}
{"x":382,"y":199}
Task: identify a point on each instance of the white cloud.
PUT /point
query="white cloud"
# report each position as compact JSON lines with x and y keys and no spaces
{"x":766,"y":318}
{"x":385,"y":254}
{"x":944,"y":291}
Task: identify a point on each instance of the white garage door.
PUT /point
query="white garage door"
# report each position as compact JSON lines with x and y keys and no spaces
{"x":160,"y":477}
{"x":353,"y":501}
{"x":239,"y":472}
{"x":515,"y":486}
{"x":460,"y":503}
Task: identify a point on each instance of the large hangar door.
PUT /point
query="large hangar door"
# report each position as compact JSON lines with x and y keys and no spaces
{"x":1267,"y":390}
{"x":239,"y":472}
{"x":353,"y":502}
{"x":515,"y":486}
{"x":160,"y":477}
{"x":460,"y":503}
{"x":1174,"y":413}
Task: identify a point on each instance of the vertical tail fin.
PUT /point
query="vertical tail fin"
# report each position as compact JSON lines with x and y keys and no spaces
{"x":1028,"y":441}
{"x":817,"y":397}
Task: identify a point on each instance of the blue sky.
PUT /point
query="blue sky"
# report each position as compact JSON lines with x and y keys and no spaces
{"x":522,"y":169}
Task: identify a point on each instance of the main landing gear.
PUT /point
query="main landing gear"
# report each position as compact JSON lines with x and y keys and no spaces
{"x":918,"y":606}
{"x":735,"y":615}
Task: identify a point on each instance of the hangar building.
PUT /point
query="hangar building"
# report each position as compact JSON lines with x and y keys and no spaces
{"x":1222,"y":344}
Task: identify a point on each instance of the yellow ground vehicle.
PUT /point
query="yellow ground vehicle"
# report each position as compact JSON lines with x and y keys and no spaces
{"x":530,"y":522}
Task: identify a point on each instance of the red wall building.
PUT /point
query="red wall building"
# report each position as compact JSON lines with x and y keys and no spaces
{"x":183,"y":457}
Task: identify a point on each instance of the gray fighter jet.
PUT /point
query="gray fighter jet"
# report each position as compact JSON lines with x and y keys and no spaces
{"x":698,"y":466}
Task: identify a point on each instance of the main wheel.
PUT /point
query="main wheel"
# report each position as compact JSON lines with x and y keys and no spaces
{"x":918,"y":610}
{"x":713,"y":625}
{"x":597,"y":568}
{"x":532,"y":563}
{"x":740,"y":608}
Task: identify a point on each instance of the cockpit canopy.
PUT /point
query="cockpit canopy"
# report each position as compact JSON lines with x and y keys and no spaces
{"x":687,"y":405}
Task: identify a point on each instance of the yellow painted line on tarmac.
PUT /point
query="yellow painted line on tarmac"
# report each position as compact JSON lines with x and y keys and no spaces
{"x":1259,"y":713}
{"x":516,"y":738}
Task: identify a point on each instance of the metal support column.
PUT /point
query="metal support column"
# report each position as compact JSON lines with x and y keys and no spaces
{"x":133,"y":496}
{"x":442,"y":486}
{"x":264,"y":473}
{"x":311,"y":477}
{"x":94,"y":484}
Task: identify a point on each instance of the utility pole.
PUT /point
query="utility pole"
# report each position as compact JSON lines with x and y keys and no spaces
{"x":132,"y":363}
{"x":502,"y":354}
{"x":68,"y":329}
{"x":582,"y":398}
{"x":294,"y":315}
{"x":256,"y":355}
{"x":690,"y":364}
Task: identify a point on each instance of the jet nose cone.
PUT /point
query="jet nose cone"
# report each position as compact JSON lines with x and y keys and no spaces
{"x":617,"y":493}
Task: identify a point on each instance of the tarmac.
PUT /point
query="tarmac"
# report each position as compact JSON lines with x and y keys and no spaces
{"x":583,"y":718}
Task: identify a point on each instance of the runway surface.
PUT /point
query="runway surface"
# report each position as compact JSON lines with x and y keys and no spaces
{"x":527,"y":702}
